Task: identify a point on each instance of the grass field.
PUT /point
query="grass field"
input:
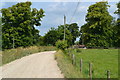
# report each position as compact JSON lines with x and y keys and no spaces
{"x":13,"y":54}
{"x":101,"y":59}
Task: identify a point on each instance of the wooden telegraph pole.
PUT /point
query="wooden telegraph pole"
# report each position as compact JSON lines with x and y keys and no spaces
{"x":64,"y":25}
{"x":13,"y":43}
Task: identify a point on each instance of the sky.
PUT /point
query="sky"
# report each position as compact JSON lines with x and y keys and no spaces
{"x":55,"y":11}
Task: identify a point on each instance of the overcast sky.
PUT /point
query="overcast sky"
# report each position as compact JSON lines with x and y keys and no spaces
{"x":55,"y":11}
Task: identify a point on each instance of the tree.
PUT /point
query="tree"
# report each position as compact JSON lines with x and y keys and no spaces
{"x":68,"y":35}
{"x":51,"y":37}
{"x":54,"y":35}
{"x":74,"y":29}
{"x":98,"y":30}
{"x":18,"y":25}
{"x":117,"y":27}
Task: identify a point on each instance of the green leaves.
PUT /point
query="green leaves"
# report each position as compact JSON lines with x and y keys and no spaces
{"x":53,"y":35}
{"x":18,"y":22}
{"x":61,"y":44}
{"x":98,"y":30}
{"x":117,"y":27}
{"x":74,"y":30}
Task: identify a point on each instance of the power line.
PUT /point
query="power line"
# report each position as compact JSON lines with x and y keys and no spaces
{"x":74,"y":11}
{"x":70,"y":19}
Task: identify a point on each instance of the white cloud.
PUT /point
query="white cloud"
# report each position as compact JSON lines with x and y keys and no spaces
{"x":82,"y":8}
{"x":54,"y":7}
{"x":2,"y":4}
{"x":59,"y":7}
{"x":58,"y":20}
{"x":58,"y":0}
{"x":113,"y":7}
{"x":64,"y":0}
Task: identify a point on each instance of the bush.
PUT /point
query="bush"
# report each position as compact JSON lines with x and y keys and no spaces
{"x":78,"y":50}
{"x":61,"y":44}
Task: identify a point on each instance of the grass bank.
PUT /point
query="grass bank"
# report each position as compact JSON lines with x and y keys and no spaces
{"x":67,"y":69}
{"x":13,"y":54}
{"x":101,"y":59}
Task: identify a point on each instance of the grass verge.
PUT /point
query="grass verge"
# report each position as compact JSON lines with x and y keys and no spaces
{"x":67,"y":69}
{"x":13,"y":54}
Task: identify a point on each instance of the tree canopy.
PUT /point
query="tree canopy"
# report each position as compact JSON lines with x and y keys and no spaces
{"x":19,"y":22}
{"x":18,"y":25}
{"x":51,"y":37}
{"x":74,"y":29}
{"x":71,"y":33}
{"x":97,"y":31}
{"x":117,"y":26}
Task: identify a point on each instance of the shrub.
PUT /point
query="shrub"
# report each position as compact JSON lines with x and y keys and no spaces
{"x":61,"y":44}
{"x":78,"y":50}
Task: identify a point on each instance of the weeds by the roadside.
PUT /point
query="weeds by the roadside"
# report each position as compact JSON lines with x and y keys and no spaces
{"x":13,"y":54}
{"x":64,"y":63}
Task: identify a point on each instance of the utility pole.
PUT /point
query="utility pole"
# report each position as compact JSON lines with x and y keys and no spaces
{"x":64,"y":25}
{"x":82,"y":38}
{"x":13,"y":42}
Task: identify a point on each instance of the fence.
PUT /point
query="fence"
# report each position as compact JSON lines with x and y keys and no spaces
{"x":90,"y":67}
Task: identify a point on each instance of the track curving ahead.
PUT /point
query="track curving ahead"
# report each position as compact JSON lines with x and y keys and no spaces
{"x":39,"y":65}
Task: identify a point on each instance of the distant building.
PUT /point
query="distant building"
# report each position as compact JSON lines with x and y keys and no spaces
{"x":79,"y":46}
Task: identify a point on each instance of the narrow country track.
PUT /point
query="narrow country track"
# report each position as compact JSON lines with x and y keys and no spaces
{"x":39,"y":65}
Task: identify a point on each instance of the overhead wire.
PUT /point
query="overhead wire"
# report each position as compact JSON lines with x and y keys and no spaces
{"x":74,"y":11}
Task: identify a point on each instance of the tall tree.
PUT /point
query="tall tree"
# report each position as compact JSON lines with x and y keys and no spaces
{"x":74,"y":29}
{"x":54,"y":35}
{"x":68,"y":35}
{"x":51,"y":37}
{"x":117,"y":27}
{"x":97,"y":31}
{"x":18,"y":24}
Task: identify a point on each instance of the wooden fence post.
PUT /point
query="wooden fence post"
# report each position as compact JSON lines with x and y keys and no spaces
{"x":73,"y":59}
{"x":90,"y":70}
{"x":108,"y":75}
{"x":69,"y":53}
{"x":80,"y":65}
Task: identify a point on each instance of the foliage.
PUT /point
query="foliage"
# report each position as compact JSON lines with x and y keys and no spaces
{"x":61,"y":44}
{"x":97,"y":32}
{"x":71,"y":33}
{"x":74,"y":29}
{"x":68,"y":35}
{"x":13,"y":54}
{"x":41,"y":41}
{"x":117,"y":27}
{"x":19,"y":23}
{"x":51,"y":37}
{"x":54,"y":35}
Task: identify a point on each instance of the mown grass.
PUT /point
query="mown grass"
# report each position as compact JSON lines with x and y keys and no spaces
{"x":67,"y":69}
{"x":101,"y":59}
{"x":13,"y":54}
